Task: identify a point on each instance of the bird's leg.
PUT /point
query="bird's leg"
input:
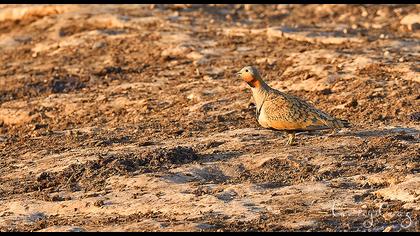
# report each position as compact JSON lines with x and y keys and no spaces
{"x":290,"y":138}
{"x":332,"y":132}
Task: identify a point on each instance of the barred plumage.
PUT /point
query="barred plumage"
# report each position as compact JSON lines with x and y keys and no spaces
{"x":281,"y":111}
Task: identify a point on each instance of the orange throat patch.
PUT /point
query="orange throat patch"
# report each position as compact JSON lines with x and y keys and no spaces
{"x":251,"y":81}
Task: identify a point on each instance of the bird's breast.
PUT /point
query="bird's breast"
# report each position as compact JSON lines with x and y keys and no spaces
{"x":262,"y":118}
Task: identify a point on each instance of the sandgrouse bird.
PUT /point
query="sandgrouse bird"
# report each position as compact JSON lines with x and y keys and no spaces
{"x":280,"y":111}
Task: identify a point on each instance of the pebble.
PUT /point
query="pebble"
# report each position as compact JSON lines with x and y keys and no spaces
{"x":200,"y":62}
{"x":412,"y":21}
{"x":364,"y":12}
{"x":388,"y":229}
{"x":207,"y":77}
{"x":195,"y":55}
{"x":267,"y":60}
{"x":415,"y":116}
{"x":98,"y":45}
{"x":99,"y":203}
{"x":193,"y":96}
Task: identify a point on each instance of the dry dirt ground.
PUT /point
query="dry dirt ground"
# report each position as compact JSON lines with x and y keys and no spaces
{"x":130,"y":118}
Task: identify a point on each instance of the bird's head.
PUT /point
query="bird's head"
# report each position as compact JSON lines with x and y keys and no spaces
{"x":250,"y":75}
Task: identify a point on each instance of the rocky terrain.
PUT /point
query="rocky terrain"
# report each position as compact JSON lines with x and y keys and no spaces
{"x":131,"y":118}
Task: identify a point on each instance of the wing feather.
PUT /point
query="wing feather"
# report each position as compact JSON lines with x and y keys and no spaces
{"x":287,"y":112}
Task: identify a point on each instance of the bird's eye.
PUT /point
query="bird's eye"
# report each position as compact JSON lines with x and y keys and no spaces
{"x":246,"y":70}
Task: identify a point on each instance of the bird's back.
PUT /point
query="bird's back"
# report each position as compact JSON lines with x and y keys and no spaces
{"x":283,"y":111}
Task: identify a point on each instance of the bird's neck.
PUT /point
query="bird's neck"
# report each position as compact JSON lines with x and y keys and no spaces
{"x":256,"y":82}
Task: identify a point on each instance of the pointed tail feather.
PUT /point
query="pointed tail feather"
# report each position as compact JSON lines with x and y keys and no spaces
{"x":346,"y":123}
{"x":337,"y":123}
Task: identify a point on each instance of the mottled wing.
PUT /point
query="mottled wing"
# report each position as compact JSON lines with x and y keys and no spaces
{"x":286,"y":112}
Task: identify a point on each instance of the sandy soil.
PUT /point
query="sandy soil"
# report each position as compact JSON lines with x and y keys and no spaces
{"x":130,"y":118}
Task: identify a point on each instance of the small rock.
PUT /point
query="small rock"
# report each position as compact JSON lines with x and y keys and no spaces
{"x":364,"y":12}
{"x":175,"y":14}
{"x":216,"y":71}
{"x":353,"y":103}
{"x":388,"y":229}
{"x":326,"y":91}
{"x":179,"y":132}
{"x":377,"y":26}
{"x":36,"y":216}
{"x":206,"y":77}
{"x":146,"y":143}
{"x":23,"y":39}
{"x":57,"y":198}
{"x":99,"y":203}
{"x":387,"y":53}
{"x":401,"y":59}
{"x":306,"y":75}
{"x":39,"y":126}
{"x":415,"y":116}
{"x":76,"y":229}
{"x":175,"y":51}
{"x":382,"y":13}
{"x":243,"y":49}
{"x":271,"y":61}
{"x":98,"y":45}
{"x":195,"y":56}
{"x":388,"y":216}
{"x":261,"y":60}
{"x":282,"y":6}
{"x":193,"y":96}
{"x":412,"y":21}
{"x":331,"y":79}
{"x":251,"y":102}
{"x":200,"y":62}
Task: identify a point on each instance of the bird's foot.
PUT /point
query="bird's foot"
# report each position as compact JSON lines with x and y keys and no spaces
{"x":332,"y":133}
{"x":290,"y":143}
{"x":290,"y":139}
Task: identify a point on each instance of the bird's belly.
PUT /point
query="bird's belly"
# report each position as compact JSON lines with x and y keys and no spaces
{"x":262,"y":119}
{"x":283,"y":124}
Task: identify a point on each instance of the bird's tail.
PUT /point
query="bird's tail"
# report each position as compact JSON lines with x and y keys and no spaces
{"x":337,"y":123}
{"x":346,"y":123}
